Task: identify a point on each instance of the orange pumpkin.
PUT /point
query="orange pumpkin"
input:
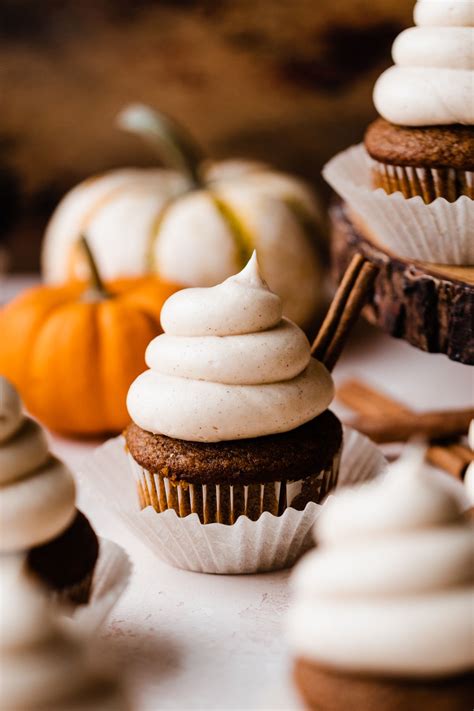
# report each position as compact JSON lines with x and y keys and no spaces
{"x":73,"y":351}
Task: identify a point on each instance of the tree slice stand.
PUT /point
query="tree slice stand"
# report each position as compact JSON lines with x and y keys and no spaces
{"x":430,"y":306}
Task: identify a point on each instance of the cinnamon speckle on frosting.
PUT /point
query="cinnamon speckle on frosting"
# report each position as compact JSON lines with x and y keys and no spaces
{"x":432,"y":80}
{"x":228,"y":366}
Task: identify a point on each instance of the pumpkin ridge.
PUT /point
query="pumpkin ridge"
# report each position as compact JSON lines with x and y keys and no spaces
{"x":309,"y":225}
{"x":150,"y":259}
{"x":89,"y":216}
{"x":36,"y":319}
{"x":52,"y":344}
{"x":243,"y":238}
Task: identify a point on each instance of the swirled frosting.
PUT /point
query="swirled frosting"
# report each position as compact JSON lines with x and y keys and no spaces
{"x":228,"y":366}
{"x":390,"y":588}
{"x":432,"y":82}
{"x":42,"y":668}
{"x":37,"y":493}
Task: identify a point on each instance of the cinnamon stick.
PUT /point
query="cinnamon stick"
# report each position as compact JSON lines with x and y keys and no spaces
{"x":399,"y":428}
{"x":453,"y":458}
{"x":448,"y":459}
{"x":349,"y":300}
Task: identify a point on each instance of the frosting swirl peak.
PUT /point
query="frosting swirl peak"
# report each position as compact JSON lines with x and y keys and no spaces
{"x":433,"y":77}
{"x":390,"y":588}
{"x":228,"y":366}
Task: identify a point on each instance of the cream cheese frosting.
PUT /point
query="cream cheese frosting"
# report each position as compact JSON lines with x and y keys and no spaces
{"x":432,"y":82}
{"x":43,"y":668}
{"x":390,"y":588}
{"x":228,"y":366}
{"x":37,"y":492}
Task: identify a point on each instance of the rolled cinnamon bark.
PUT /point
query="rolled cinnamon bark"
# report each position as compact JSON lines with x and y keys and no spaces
{"x":453,"y":458}
{"x":401,"y":427}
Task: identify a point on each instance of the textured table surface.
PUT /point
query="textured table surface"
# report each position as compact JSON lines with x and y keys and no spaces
{"x":192,"y":641}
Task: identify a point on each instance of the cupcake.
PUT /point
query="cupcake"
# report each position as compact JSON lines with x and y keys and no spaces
{"x":231,"y":419}
{"x":382,"y":615}
{"x":38,"y":516}
{"x":42,"y":667}
{"x":424,"y":142}
{"x":409,"y":187}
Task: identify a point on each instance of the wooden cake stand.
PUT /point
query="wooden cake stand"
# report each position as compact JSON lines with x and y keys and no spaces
{"x":431,"y":306}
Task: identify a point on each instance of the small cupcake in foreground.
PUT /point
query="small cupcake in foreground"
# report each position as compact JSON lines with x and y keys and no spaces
{"x":424,"y":142}
{"x":42,"y":667}
{"x":38,"y":516}
{"x":382,"y":615}
{"x":231,"y":419}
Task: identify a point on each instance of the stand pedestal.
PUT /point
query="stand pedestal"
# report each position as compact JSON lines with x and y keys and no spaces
{"x":431,"y":306}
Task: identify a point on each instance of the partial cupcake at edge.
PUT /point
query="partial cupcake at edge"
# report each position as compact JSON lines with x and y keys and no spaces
{"x":381,"y":617}
{"x":38,"y":514}
{"x":424,"y":142}
{"x":410,"y":185}
{"x":43,"y":666}
{"x":231,"y":418}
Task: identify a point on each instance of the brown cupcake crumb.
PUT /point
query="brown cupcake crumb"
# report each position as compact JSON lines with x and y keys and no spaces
{"x":327,"y":689}
{"x":291,"y":455}
{"x":69,"y":559}
{"x":424,"y":147}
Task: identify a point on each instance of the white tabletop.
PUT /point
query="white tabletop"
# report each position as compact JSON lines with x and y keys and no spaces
{"x":193,"y":641}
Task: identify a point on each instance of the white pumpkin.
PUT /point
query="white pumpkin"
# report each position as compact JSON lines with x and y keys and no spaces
{"x":194,"y":226}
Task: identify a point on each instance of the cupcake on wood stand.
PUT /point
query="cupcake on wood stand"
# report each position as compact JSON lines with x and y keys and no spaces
{"x":408,"y":189}
{"x":381,"y":618}
{"x":38,"y":515}
{"x":43,"y":668}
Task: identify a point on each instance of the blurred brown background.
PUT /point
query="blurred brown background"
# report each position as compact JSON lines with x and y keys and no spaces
{"x":288,"y":81}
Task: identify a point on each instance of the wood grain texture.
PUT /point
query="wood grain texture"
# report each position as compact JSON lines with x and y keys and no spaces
{"x":430,"y":306}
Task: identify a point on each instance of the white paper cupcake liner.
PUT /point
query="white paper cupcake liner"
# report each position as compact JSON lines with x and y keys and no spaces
{"x":111,"y":577}
{"x":270,"y":543}
{"x":431,"y":183}
{"x":439,"y":232}
{"x":218,"y":503}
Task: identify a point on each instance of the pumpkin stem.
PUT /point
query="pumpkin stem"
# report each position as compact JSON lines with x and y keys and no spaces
{"x":97,"y":287}
{"x":170,"y":139}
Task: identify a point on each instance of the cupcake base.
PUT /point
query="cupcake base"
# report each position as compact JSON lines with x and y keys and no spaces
{"x":325,"y":689}
{"x":66,"y":564}
{"x":432,"y":161}
{"x":224,"y":480}
{"x":271,"y":543}
{"x":224,"y":503}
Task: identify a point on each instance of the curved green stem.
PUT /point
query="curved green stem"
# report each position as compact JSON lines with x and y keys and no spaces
{"x":172,"y":142}
{"x":97,"y":289}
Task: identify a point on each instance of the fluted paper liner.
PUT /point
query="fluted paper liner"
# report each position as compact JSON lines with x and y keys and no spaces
{"x":270,"y":543}
{"x":224,"y":503}
{"x":439,"y":232}
{"x":111,"y":577}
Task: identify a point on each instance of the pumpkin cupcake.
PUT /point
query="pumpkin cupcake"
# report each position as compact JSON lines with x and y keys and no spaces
{"x":424,"y":142}
{"x":231,"y":419}
{"x":409,"y":187}
{"x":382,"y":615}
{"x":38,"y":515}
